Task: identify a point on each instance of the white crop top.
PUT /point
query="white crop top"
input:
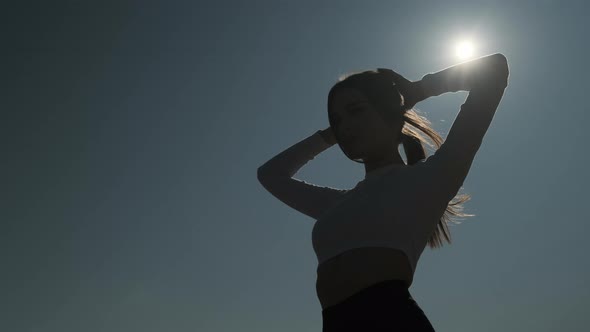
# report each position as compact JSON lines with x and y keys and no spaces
{"x":394,"y":206}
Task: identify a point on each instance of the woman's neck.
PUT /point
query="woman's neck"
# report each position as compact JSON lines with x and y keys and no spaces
{"x":373,"y":165}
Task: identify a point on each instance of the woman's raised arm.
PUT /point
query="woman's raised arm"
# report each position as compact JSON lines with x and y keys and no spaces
{"x":276,"y":176}
{"x":486,"y":79}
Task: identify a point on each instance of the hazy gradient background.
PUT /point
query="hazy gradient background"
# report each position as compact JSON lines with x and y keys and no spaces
{"x":132,"y":133}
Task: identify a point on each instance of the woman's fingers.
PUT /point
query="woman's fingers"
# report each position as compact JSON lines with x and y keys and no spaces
{"x":406,"y":87}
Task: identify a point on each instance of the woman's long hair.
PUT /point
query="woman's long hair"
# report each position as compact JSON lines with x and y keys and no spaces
{"x":385,"y":97}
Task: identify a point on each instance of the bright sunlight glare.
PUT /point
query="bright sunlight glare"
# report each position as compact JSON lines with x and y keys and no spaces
{"x":464,"y":50}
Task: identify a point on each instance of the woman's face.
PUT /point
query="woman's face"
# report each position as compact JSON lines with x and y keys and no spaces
{"x":358,"y":127}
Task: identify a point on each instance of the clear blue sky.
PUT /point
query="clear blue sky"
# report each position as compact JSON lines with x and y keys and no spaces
{"x":132,"y":133}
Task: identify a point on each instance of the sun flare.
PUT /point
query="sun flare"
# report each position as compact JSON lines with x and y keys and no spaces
{"x":464,"y":49}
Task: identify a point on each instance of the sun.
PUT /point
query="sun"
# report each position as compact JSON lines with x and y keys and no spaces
{"x":464,"y":49}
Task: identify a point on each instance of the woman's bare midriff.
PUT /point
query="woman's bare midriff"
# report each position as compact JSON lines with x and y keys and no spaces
{"x":353,"y":270}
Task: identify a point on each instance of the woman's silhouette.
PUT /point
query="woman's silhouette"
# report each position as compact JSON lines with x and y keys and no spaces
{"x":368,"y":239}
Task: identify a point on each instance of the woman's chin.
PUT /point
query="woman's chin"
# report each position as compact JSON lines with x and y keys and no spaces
{"x":354,"y":153}
{"x":352,"y":150}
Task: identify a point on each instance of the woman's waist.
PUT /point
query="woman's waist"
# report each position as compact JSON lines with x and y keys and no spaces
{"x":357,"y":269}
{"x":390,"y":293}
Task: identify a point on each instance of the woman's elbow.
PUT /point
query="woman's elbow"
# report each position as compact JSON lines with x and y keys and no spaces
{"x":500,"y":69}
{"x":492,"y":72}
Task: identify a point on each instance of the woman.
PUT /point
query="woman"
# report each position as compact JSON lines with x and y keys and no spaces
{"x":368,"y":239}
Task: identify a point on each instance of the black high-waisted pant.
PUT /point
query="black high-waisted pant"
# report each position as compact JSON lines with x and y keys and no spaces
{"x":386,"y":306}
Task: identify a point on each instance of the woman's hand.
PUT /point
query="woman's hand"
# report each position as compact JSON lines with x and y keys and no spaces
{"x":412,"y":91}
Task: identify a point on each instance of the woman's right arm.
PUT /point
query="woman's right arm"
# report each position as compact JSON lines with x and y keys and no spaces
{"x":277,"y":176}
{"x":486,"y":79}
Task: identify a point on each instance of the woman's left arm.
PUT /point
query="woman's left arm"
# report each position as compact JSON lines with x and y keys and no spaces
{"x":486,"y":79}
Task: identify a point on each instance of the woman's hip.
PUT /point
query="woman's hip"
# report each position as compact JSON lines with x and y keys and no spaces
{"x":384,"y":306}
